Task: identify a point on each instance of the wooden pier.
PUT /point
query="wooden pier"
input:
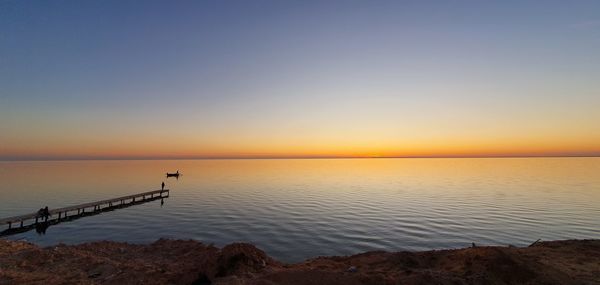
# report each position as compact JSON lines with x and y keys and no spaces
{"x":56,"y":215}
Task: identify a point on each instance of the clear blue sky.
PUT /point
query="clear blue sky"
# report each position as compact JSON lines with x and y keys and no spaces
{"x":278,"y":78}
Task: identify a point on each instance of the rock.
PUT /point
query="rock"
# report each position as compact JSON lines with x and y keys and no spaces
{"x":240,"y":258}
{"x":190,"y":262}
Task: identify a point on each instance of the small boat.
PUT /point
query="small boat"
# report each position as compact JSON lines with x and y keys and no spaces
{"x":176,"y":174}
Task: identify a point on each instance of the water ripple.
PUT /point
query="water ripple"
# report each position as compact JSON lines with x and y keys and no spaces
{"x":296,"y":209}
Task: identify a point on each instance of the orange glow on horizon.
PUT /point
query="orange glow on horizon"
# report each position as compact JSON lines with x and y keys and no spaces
{"x":423,"y":142}
{"x":182,"y":152}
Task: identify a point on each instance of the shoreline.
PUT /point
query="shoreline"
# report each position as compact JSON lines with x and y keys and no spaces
{"x":192,"y":262}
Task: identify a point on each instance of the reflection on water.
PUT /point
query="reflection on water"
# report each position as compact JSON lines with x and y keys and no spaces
{"x":296,"y":209}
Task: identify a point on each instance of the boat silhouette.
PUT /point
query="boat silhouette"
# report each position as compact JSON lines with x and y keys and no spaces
{"x":176,"y":174}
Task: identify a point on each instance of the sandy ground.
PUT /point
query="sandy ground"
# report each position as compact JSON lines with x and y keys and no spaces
{"x":191,"y":262}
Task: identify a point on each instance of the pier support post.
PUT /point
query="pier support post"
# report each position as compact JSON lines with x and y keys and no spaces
{"x":9,"y":225}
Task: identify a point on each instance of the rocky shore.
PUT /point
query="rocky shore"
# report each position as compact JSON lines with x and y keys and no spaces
{"x":191,"y":262}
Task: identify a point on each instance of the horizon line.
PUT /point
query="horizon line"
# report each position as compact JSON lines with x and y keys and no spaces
{"x":289,"y":157}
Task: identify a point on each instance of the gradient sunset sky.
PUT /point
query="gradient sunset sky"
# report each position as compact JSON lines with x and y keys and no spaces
{"x":177,"y":79}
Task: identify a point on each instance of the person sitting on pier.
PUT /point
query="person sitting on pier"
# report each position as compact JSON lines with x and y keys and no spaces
{"x":46,"y":213}
{"x":43,"y":213}
{"x":162,"y":186}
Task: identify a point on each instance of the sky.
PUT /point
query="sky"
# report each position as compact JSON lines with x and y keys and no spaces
{"x":246,"y":79}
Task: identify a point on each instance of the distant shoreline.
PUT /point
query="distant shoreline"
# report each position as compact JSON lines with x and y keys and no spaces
{"x":292,"y":158}
{"x":192,"y":262}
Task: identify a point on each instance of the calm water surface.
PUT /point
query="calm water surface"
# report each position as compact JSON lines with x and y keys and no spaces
{"x":296,"y":209}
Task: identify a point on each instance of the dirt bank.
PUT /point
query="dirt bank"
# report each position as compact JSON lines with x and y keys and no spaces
{"x":191,"y":262}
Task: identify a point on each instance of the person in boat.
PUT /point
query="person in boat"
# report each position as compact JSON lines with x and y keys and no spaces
{"x":162,"y":186}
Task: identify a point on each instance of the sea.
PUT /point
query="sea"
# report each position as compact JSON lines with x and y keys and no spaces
{"x":295,"y":209}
